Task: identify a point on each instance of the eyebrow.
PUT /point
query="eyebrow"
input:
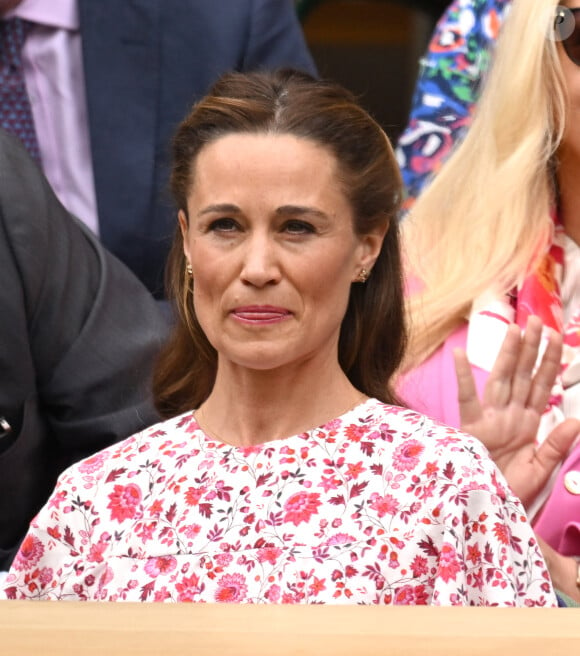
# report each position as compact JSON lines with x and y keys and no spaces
{"x":284,"y":210}
{"x":227,"y":208}
{"x":300,"y":210}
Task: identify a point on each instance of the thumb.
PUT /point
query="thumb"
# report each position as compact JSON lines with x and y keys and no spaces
{"x":555,"y":447}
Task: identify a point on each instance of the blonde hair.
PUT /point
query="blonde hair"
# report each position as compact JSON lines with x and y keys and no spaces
{"x":485,"y":219}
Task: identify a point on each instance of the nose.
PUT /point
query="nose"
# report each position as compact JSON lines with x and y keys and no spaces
{"x":260,"y":264}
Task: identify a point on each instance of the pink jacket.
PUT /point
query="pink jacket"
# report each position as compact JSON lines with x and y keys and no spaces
{"x":431,"y":389}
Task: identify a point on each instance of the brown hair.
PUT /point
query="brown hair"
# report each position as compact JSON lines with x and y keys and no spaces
{"x":373,"y":334}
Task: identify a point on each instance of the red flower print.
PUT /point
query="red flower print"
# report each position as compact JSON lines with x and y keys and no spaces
{"x":448,"y":563}
{"x":123,"y":502}
{"x":410,"y":595}
{"x":354,"y":470}
{"x":188,"y":588}
{"x":355,"y":433}
{"x":160,"y":565}
{"x":502,"y":533}
{"x":419,"y":566}
{"x":193,"y":495}
{"x":30,"y":553}
{"x":301,"y":506}
{"x":386,"y":505}
{"x":406,"y":456}
{"x":317,"y":586}
{"x":232,"y":588}
{"x":269,"y":554}
{"x":473,"y":553}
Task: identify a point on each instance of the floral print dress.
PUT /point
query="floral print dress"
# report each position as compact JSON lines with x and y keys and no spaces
{"x":378,"y":506}
{"x":448,"y":86}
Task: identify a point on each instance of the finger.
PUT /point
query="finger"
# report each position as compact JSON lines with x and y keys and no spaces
{"x":555,"y":447}
{"x":497,"y":391}
{"x":529,"y":348}
{"x":469,"y":403}
{"x":545,"y":376}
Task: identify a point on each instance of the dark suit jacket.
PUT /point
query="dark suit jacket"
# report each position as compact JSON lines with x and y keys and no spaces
{"x":78,"y":334}
{"x":146,"y":62}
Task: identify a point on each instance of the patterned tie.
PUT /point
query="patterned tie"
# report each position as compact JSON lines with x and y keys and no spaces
{"x":15,"y":111}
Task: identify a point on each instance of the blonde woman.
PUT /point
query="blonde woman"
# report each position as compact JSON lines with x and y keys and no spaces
{"x":495,"y":240}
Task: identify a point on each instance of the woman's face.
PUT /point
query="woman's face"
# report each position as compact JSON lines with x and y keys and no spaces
{"x":571,"y":72}
{"x":273,"y":250}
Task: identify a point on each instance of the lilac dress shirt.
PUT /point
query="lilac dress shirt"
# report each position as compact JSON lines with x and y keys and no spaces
{"x":54,"y":76}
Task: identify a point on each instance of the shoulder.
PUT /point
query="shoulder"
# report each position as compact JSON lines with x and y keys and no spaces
{"x":133,"y":456}
{"x":400,"y":426}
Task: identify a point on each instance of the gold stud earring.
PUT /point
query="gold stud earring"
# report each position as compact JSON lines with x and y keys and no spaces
{"x":189,"y":270}
{"x":363,"y":276}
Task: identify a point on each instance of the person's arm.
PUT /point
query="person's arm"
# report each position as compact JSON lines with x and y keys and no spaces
{"x":79,"y":338}
{"x":507,"y":418}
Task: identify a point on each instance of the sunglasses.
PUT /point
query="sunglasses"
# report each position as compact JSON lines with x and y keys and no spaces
{"x":567,"y":29}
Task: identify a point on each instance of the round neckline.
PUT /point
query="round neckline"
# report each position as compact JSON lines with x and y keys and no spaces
{"x":281,"y":441}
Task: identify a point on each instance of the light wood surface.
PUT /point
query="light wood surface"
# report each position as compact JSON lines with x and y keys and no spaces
{"x":63,"y":628}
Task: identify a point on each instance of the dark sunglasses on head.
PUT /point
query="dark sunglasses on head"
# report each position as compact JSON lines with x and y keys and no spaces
{"x":567,"y":28}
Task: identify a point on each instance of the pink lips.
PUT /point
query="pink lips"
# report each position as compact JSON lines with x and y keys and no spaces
{"x":260,"y":314}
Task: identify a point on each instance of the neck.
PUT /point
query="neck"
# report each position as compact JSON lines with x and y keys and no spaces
{"x":248,"y":407}
{"x":568,"y":176}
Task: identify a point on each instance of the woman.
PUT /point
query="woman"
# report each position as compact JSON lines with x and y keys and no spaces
{"x":503,"y":214}
{"x":295,"y":479}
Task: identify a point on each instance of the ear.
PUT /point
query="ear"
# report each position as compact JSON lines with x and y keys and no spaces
{"x":184,"y":227}
{"x":369,"y":248}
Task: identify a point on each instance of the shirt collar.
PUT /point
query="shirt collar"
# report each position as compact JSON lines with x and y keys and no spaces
{"x":62,"y":14}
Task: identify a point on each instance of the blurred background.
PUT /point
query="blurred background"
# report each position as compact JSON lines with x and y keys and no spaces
{"x":373,"y":48}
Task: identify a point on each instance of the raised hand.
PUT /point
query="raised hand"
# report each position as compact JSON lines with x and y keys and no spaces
{"x":506,"y":420}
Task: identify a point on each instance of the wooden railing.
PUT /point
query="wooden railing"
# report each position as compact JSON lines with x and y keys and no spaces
{"x":66,"y":628}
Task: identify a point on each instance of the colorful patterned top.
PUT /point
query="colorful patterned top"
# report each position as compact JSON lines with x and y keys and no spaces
{"x":378,"y":506}
{"x":448,"y":86}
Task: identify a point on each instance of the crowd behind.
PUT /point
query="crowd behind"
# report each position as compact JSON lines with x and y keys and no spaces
{"x":263,"y":355}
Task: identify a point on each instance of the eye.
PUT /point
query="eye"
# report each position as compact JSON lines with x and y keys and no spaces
{"x":223,"y":225}
{"x":298,"y":227}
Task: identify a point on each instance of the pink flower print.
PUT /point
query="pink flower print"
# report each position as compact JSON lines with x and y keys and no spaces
{"x":301,"y":506}
{"x":31,"y":551}
{"x":92,"y":464}
{"x":329,"y":483}
{"x":448,"y":563}
{"x":123,"y":502}
{"x":162,"y":594}
{"x":269,"y":555}
{"x":160,"y":565}
{"x":223,"y":559}
{"x":96,"y":551}
{"x":188,"y":588}
{"x":273,"y":593}
{"x":45,"y":576}
{"x":232,"y":588}
{"x":384,"y":505}
{"x":339,"y":538}
{"x":406,"y":456}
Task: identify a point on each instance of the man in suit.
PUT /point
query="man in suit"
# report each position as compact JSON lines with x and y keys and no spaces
{"x":78,"y":336}
{"x":130,"y":71}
